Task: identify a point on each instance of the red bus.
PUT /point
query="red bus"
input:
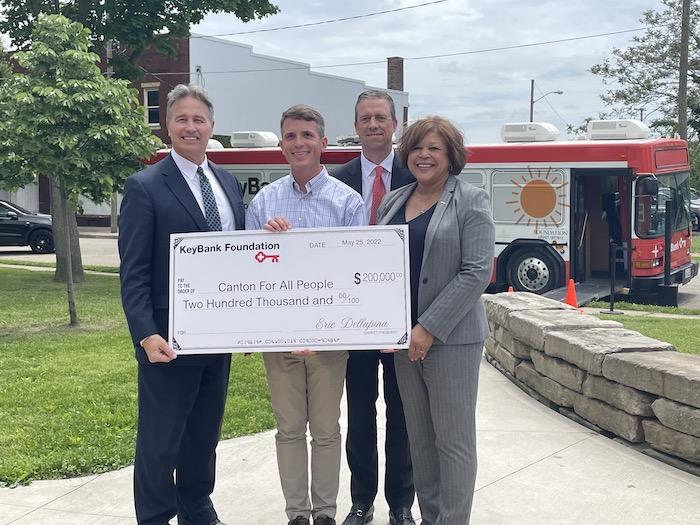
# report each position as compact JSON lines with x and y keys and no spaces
{"x":556,"y":206}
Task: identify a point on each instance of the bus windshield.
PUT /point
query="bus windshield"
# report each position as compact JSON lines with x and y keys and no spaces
{"x":650,"y":203}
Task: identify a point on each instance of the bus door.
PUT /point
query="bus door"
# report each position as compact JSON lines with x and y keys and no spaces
{"x":579,"y":227}
{"x":599,"y":210}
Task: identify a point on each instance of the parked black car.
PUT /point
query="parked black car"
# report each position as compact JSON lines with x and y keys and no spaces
{"x":20,"y":227}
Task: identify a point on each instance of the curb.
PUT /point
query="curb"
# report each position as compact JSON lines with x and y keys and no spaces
{"x":89,"y":235}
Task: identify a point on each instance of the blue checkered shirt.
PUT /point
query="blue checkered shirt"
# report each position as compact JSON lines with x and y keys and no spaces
{"x":326,"y":203}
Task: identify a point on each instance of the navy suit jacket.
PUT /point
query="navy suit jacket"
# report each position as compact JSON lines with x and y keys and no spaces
{"x":157,"y":202}
{"x":351,"y":174}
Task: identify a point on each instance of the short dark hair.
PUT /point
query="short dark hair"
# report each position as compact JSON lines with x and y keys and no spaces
{"x":193,"y":91}
{"x":375,"y":93}
{"x":307,"y":113}
{"x":454,"y":140}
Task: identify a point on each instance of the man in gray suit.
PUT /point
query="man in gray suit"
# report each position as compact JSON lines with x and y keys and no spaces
{"x":372,"y":174}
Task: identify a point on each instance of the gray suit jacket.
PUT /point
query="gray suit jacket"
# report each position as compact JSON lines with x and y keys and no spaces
{"x":457,"y":261}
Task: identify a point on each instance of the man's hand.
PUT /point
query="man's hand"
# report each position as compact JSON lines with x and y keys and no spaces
{"x":278,"y":224}
{"x":157,"y":349}
{"x":421,"y":341}
{"x":304,"y":352}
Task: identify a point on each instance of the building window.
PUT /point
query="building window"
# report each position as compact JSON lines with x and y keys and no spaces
{"x":151,"y":103}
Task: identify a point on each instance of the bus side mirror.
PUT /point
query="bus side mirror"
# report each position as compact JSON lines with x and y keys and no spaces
{"x":649,"y":186}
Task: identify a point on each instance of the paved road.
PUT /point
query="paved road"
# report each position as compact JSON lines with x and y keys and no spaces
{"x":689,"y":294}
{"x":98,"y":251}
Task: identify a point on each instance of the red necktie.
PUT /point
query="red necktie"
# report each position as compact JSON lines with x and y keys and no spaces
{"x":378,"y":191}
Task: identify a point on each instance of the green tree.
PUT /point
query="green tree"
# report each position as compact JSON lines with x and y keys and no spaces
{"x":643,"y":78}
{"x":132,"y":25}
{"x":62,"y":118}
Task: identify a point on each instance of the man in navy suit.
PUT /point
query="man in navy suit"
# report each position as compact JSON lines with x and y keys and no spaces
{"x":374,"y":173}
{"x":180,"y":399}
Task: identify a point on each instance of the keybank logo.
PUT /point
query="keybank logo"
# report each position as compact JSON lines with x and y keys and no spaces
{"x":257,"y":247}
{"x":261,"y":257}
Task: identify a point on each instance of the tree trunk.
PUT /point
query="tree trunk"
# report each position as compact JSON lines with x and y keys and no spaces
{"x":72,"y":312}
{"x":60,"y":226}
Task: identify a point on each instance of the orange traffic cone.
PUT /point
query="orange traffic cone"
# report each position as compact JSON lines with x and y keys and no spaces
{"x":571,"y":294}
{"x":510,"y":289}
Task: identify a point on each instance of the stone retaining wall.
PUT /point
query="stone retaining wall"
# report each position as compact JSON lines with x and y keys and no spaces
{"x":622,"y":382}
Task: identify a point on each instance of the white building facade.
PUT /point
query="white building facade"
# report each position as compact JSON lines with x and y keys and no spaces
{"x":249,"y":91}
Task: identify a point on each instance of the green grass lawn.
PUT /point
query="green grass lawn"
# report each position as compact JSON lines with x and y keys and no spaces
{"x":622,"y":305}
{"x":68,"y":396}
{"x":684,"y":334}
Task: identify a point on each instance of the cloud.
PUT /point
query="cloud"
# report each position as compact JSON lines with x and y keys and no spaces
{"x":478,"y":91}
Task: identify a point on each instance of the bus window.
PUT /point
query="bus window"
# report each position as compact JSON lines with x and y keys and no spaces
{"x":650,"y":204}
{"x":251,"y":180}
{"x":534,"y":197}
{"x":274,"y":175}
{"x":476,"y":178}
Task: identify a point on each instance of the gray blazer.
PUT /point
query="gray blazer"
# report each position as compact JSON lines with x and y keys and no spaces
{"x":457,"y":261}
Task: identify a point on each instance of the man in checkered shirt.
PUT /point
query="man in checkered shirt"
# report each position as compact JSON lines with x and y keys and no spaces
{"x":306,"y":387}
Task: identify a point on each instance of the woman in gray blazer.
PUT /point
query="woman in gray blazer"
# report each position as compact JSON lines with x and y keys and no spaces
{"x":451,"y":244}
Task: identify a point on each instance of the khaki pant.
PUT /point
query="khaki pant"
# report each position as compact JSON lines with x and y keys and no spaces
{"x":307,"y":389}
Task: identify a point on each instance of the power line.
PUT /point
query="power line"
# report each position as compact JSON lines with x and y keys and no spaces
{"x":552,"y":107}
{"x":520,"y":46}
{"x":309,"y":24}
{"x":425,"y":57}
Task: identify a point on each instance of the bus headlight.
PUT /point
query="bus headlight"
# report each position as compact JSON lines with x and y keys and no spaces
{"x":647,"y":264}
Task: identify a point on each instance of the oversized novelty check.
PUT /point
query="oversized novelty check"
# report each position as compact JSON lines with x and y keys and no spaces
{"x":317,"y":288}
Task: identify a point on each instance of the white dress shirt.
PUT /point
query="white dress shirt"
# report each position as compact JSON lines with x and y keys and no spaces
{"x":368,"y":178}
{"x":189,"y":172}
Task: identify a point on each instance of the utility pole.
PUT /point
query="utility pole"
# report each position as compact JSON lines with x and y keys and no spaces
{"x":683,"y":72}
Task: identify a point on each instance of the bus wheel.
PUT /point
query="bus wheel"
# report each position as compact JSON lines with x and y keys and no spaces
{"x":532,"y":270}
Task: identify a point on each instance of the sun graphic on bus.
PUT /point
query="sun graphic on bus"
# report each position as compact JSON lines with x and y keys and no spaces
{"x":539,"y":198}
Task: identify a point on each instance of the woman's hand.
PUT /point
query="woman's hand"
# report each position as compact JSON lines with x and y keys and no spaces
{"x":421,"y":341}
{"x":278,"y":224}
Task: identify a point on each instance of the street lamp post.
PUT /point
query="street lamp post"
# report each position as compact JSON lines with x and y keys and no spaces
{"x":643,"y":117}
{"x":533,"y":99}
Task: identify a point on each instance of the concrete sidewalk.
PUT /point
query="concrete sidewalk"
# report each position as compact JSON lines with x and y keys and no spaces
{"x":536,"y":467}
{"x":96,"y":232}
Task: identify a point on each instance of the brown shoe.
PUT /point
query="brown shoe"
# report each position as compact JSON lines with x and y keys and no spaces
{"x":299,"y":520}
{"x":322,"y":519}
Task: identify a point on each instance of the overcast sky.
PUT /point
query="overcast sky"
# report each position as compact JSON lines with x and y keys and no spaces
{"x":477,"y":91}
